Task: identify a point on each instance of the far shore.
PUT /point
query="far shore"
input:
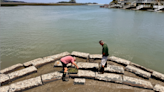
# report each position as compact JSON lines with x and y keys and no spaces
{"x":40,"y":4}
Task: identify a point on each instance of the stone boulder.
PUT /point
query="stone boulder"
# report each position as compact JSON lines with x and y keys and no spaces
{"x":158,"y":75}
{"x":26,"y":84}
{"x":4,"y":79}
{"x":79,"y":81}
{"x":29,"y":63}
{"x":60,"y":55}
{"x":141,"y":67}
{"x":114,"y":69}
{"x":23,"y":72}
{"x":51,"y":77}
{"x":11,"y":68}
{"x":159,"y":88}
{"x":80,"y":54}
{"x":87,"y":65}
{"x":137,"y":82}
{"x":42,"y":62}
{"x":4,"y":89}
{"x":138,"y":71}
{"x":95,"y":56}
{"x":86,"y":74}
{"x":119,"y":60}
{"x":109,"y":77}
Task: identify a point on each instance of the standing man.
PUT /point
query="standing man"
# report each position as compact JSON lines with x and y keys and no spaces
{"x":105,"y":55}
{"x":65,"y":60}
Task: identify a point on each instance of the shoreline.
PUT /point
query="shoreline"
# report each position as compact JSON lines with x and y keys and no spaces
{"x":35,"y":69}
{"x":40,"y":4}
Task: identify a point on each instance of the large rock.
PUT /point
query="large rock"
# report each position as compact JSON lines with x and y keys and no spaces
{"x":4,"y":89}
{"x":142,"y":67}
{"x":23,"y":72}
{"x":86,"y":74}
{"x":80,"y":54}
{"x":79,"y":81}
{"x":138,"y":71}
{"x":42,"y":62}
{"x":51,"y":77}
{"x":11,"y":68}
{"x":60,"y":55}
{"x":158,"y":75}
{"x":109,"y":77}
{"x":29,"y":63}
{"x":59,"y":64}
{"x":119,"y":60}
{"x":26,"y":84}
{"x":95,"y":56}
{"x":137,"y":82}
{"x":114,"y":69}
{"x":159,"y":88}
{"x":4,"y":79}
{"x":87,"y":65}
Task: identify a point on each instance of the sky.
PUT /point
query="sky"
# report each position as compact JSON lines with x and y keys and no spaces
{"x":78,"y":1}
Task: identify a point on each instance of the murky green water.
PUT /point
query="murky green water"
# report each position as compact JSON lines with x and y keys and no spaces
{"x":30,"y":32}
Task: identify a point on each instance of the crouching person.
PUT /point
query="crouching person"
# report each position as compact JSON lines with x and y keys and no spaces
{"x":65,"y":60}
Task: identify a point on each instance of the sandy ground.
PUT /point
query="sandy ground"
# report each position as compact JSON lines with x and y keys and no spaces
{"x":91,"y":85}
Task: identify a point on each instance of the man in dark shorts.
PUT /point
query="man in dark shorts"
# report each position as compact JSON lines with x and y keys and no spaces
{"x":65,"y":60}
{"x":105,"y":55}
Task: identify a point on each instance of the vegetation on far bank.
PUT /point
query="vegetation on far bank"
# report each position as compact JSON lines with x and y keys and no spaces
{"x":61,"y":3}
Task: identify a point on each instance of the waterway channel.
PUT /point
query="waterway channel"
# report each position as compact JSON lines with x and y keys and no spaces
{"x":30,"y":32}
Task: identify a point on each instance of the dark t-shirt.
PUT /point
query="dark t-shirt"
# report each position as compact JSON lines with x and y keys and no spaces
{"x":105,"y":49}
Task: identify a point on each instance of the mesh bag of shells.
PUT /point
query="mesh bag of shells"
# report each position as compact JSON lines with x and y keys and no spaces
{"x":73,"y":71}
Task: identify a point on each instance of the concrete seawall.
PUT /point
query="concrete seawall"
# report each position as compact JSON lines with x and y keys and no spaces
{"x":42,"y":71}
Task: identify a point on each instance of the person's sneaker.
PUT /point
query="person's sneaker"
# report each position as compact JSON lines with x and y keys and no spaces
{"x":65,"y":79}
{"x":100,"y":72}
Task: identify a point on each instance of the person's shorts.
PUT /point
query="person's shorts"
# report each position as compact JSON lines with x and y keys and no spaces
{"x":104,"y":60}
{"x":64,"y":65}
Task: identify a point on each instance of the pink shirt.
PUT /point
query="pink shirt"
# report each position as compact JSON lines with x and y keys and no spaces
{"x":67,"y":59}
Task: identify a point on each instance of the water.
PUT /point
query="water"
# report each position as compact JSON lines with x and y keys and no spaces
{"x":30,"y":32}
